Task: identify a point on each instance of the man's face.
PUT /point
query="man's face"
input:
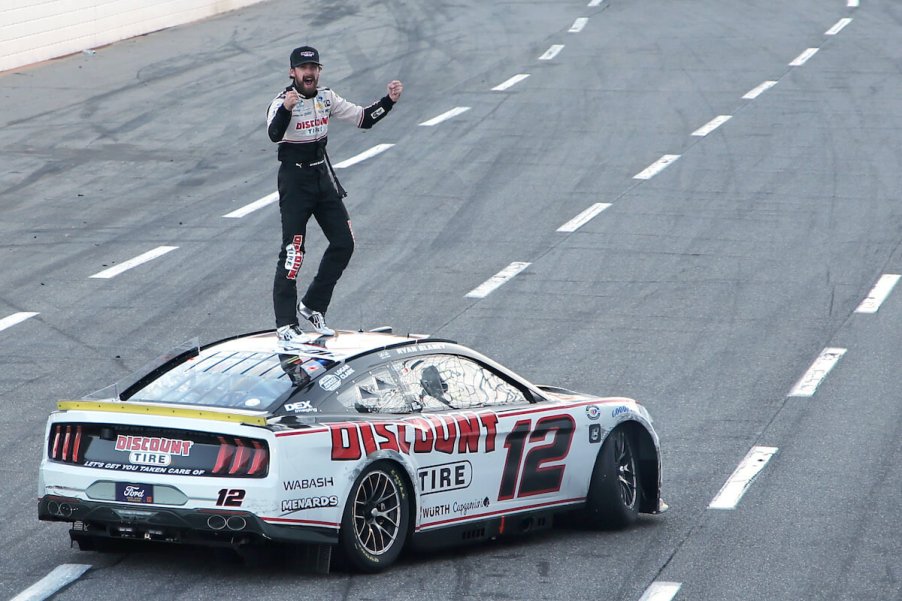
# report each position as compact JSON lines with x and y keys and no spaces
{"x":306,"y":78}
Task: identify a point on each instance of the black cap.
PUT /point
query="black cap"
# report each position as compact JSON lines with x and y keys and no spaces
{"x":304,"y":54}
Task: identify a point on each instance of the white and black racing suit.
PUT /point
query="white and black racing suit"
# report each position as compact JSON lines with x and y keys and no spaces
{"x":307,"y":186}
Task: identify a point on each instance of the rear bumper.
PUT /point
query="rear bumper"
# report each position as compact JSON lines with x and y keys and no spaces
{"x":95,"y":520}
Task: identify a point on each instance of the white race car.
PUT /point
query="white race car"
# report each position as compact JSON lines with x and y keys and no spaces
{"x":368,"y":441}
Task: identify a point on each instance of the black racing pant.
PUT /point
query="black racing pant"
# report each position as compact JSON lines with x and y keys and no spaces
{"x":306,"y":191}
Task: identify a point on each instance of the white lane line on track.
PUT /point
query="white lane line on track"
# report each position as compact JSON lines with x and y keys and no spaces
{"x":366,"y":154}
{"x":840,"y":25}
{"x":584,"y":217}
{"x":758,"y":90}
{"x":656,"y":167}
{"x":487,"y":287}
{"x":445,"y":116}
{"x":661,"y":591}
{"x":551,"y":52}
{"x":60,"y":576}
{"x":140,"y":259}
{"x":852,"y":4}
{"x":594,"y":3}
{"x":803,"y":58}
{"x":711,"y":125}
{"x":15,"y":318}
{"x":878,"y":293}
{"x":578,"y":25}
{"x":741,"y":479}
{"x":510,"y":82}
{"x":809,"y":382}
{"x":250,"y":208}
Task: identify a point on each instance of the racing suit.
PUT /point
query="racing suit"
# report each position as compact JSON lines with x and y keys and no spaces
{"x":308,"y":186}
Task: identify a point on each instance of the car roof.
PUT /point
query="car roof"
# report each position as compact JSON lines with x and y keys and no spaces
{"x":344,"y":345}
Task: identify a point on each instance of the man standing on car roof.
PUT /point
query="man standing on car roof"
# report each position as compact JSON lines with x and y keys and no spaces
{"x":298,"y":120}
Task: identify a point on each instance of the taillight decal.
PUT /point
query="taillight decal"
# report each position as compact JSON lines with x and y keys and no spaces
{"x":241,"y":456}
{"x":260,"y":458}
{"x":224,"y":455}
{"x":66,"y":442}
{"x":56,"y":442}
{"x":77,"y":444}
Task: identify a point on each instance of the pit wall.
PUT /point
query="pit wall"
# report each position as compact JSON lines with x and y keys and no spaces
{"x":37,"y":30}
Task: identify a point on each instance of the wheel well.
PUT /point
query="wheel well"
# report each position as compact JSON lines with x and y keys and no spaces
{"x":412,"y":501}
{"x":648,"y":465}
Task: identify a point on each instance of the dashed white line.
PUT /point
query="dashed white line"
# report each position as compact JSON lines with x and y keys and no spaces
{"x":445,"y":116}
{"x":852,"y":4}
{"x":741,"y":479}
{"x":584,"y":217}
{"x":140,"y":259}
{"x":366,"y":154}
{"x":47,"y":586}
{"x":497,"y":280}
{"x":661,"y":591}
{"x":510,"y":82}
{"x":878,"y":293}
{"x":656,"y":167}
{"x":809,"y":382}
{"x":578,"y":25}
{"x":15,"y":318}
{"x":711,"y":125}
{"x":594,"y":2}
{"x":840,"y":25}
{"x":551,"y":52}
{"x":758,"y":90}
{"x":250,"y":208}
{"x":803,"y":58}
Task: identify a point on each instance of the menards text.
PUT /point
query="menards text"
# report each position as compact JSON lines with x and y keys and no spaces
{"x":459,"y":433}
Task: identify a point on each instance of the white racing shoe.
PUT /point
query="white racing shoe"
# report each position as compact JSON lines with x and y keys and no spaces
{"x":316,"y":320}
{"x":291,"y":337}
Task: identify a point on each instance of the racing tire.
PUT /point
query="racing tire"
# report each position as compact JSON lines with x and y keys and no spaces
{"x":614,"y":492}
{"x":376,"y":518}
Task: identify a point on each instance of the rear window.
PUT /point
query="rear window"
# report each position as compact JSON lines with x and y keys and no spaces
{"x":246,"y":380}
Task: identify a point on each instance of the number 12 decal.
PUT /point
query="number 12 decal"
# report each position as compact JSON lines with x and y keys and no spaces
{"x":230,"y":498}
{"x":533,"y":477}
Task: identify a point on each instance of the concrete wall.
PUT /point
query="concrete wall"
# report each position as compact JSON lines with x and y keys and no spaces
{"x":37,"y":30}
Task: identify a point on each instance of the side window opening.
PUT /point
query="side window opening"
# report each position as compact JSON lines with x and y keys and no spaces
{"x":440,"y":382}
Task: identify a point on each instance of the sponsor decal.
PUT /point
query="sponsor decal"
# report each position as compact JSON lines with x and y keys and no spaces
{"x":384,"y":354}
{"x":435,"y":511}
{"x":301,"y":407}
{"x":309,"y":503}
{"x":134,"y":493}
{"x":594,"y":433}
{"x":448,"y":476}
{"x":620,"y":410}
{"x":305,"y":483}
{"x":377,"y":113}
{"x":430,"y":346}
{"x":333,"y":381}
{"x":593,"y":412}
{"x":145,"y":469}
{"x":152,"y":450}
{"x":311,"y":123}
{"x":294,"y":257}
{"x":467,"y":507}
{"x":457,"y":433}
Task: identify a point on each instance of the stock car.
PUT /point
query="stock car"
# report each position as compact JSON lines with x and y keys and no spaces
{"x":366,"y":441}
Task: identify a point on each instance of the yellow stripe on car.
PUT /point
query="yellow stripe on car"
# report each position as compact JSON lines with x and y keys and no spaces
{"x":251,"y":420}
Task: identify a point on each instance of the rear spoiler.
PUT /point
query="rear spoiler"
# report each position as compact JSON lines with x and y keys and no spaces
{"x":238,"y":417}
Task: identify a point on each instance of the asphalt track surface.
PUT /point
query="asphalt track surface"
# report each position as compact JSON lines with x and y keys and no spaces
{"x":706,"y":291}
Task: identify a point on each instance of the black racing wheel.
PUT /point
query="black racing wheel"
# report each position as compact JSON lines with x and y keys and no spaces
{"x":376,"y":518}
{"x":613,"y":500}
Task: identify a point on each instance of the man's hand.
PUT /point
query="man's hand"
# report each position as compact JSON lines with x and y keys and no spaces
{"x":291,"y":99}
{"x":395,"y":88}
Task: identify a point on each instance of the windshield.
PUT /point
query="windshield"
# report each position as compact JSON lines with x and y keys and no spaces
{"x":242,"y":379}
